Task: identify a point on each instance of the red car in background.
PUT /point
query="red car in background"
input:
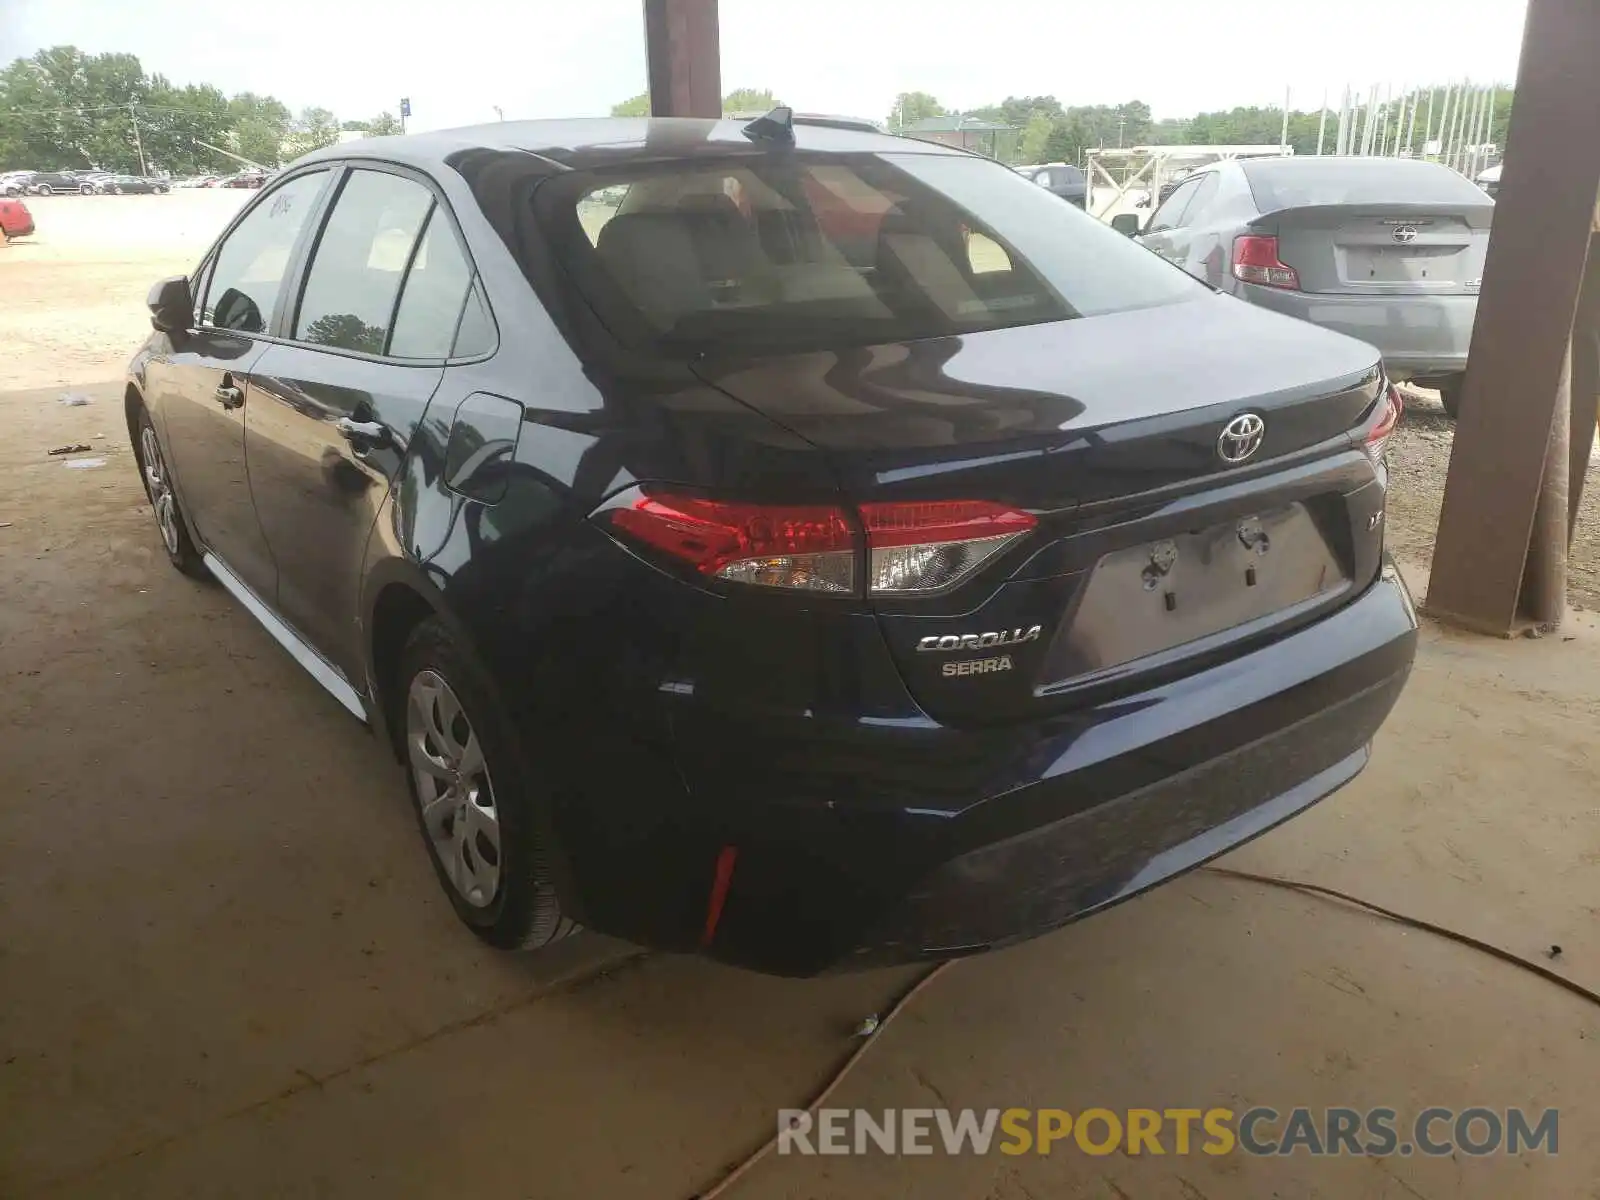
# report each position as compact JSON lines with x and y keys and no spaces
{"x":15,"y":219}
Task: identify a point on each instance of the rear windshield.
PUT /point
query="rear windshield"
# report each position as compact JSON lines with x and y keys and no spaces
{"x":1298,"y":183}
{"x":790,"y":251}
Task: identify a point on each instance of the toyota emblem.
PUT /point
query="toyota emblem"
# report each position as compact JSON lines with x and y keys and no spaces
{"x":1404,"y":234}
{"x":1240,"y":438}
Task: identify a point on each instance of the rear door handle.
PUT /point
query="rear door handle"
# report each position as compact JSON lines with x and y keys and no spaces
{"x":363,"y":435}
{"x":229,"y":396}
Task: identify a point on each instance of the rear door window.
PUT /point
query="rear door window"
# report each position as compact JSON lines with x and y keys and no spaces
{"x":250,"y":265}
{"x":1195,"y":212}
{"x":1170,"y":214}
{"x":353,"y":283}
{"x":435,"y":288}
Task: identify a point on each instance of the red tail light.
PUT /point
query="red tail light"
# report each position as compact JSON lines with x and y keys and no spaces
{"x":1255,"y":260}
{"x":809,"y":547}
{"x":1388,"y":421}
{"x":919,"y":546}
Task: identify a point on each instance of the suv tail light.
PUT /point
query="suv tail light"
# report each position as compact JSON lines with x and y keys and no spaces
{"x":1378,"y":436}
{"x":912,"y":547}
{"x":1255,"y":260}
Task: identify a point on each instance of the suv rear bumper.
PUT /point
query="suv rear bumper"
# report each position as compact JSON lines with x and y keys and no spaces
{"x":894,"y":840}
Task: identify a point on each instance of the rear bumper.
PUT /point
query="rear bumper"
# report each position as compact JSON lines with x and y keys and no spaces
{"x":1417,"y":335}
{"x":897,"y":840}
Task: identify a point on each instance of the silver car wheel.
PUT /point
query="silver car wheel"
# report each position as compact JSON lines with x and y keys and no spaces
{"x":453,"y":788}
{"x":161,"y":498}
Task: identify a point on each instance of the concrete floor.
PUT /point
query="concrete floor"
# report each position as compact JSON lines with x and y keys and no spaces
{"x":226,"y":971}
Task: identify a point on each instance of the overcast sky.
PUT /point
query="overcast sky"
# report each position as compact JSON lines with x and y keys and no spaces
{"x":457,"y":59}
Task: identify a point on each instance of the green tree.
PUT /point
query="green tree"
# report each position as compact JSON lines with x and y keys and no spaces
{"x":757,"y":100}
{"x":63,"y":108}
{"x":260,"y":126}
{"x":910,"y":107}
{"x":313,"y":129}
{"x":384,"y":124}
{"x":634,"y":106}
{"x":174,"y":121}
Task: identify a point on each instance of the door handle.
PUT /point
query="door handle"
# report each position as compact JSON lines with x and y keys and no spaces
{"x":229,"y":396}
{"x":363,"y":435}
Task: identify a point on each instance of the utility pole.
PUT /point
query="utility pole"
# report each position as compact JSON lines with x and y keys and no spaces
{"x":498,"y":112}
{"x":1322,"y":122}
{"x":1283,"y":139}
{"x":133,"y":116}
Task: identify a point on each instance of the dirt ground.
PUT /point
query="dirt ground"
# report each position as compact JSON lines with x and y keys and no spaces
{"x":225,"y":969}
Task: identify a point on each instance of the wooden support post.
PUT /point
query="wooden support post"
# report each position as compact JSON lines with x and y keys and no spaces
{"x":684,"y":57}
{"x":1520,"y":345}
{"x":1585,"y":380}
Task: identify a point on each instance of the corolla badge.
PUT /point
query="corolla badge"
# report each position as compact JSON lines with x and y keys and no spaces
{"x":980,"y":641}
{"x":1240,"y":438}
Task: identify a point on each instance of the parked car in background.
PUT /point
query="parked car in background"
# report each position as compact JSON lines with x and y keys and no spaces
{"x":15,"y":183}
{"x":1387,"y":250}
{"x":95,"y":183}
{"x":719,"y":593}
{"x":195,"y":181}
{"x":243,"y":179}
{"x":15,"y":219}
{"x":1061,"y":179}
{"x":48,"y":183}
{"x":120,"y":185}
{"x":1489,"y":181}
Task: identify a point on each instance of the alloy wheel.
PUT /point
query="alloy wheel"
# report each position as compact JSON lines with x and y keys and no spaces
{"x":161,"y":497}
{"x":456,"y":796}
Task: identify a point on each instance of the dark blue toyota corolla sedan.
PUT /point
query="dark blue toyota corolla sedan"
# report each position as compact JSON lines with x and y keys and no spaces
{"x":781,"y":541}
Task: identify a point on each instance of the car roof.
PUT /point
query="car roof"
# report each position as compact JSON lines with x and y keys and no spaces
{"x":584,"y":143}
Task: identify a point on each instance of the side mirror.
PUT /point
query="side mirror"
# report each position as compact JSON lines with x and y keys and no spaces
{"x":171,"y":305}
{"x":1126,"y":223}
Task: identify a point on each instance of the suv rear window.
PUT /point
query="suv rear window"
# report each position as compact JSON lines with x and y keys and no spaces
{"x":1299,"y":183}
{"x":791,"y":251}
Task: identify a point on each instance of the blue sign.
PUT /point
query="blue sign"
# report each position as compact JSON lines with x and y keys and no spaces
{"x":405,"y":107}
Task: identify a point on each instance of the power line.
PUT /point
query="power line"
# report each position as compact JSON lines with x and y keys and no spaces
{"x":83,"y":110}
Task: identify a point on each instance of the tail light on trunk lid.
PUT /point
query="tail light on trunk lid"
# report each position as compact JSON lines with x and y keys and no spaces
{"x":909,"y":547}
{"x":1388,"y":420}
{"x":1255,"y":260}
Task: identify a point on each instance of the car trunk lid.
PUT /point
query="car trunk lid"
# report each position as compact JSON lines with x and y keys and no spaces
{"x":1432,"y":249}
{"x":1106,"y":430}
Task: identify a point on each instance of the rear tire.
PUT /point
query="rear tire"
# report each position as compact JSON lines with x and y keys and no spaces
{"x":1450,"y":395}
{"x":474,"y":793}
{"x":158,"y":486}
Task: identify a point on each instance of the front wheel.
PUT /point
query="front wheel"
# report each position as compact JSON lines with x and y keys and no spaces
{"x":175,"y":539}
{"x":474,"y":796}
{"x":45,"y":189}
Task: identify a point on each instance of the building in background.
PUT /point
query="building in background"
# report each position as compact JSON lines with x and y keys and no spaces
{"x":965,"y":133}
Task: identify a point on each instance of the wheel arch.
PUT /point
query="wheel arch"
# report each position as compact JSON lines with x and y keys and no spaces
{"x":399,"y":597}
{"x":132,"y":404}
